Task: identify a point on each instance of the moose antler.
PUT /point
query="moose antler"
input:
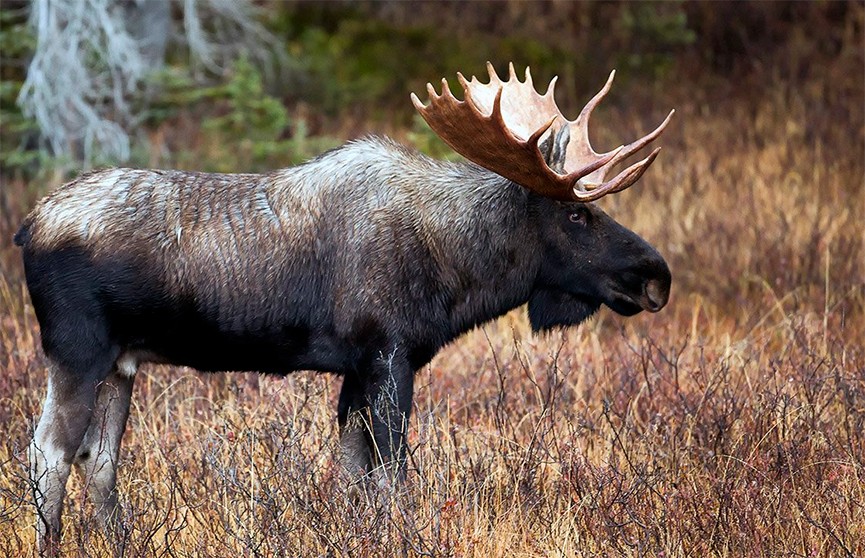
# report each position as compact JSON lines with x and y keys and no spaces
{"x":499,"y":126}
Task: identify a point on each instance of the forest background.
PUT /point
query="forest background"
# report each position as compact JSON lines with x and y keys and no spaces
{"x":730,"y":424}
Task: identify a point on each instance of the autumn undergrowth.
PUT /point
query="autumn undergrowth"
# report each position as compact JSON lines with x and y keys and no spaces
{"x":732,"y":423}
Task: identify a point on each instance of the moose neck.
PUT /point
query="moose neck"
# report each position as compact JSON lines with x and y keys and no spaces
{"x":451,"y":244}
{"x":487,"y":242}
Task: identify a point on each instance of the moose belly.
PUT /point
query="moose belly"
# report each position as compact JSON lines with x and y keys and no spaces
{"x":210,"y":343}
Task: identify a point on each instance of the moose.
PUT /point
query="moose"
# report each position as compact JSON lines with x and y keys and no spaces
{"x":363,"y":262}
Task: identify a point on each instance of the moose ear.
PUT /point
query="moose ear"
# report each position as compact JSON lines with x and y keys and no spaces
{"x":551,"y":309}
{"x":560,"y":150}
{"x":545,"y":146}
{"x":554,"y":148}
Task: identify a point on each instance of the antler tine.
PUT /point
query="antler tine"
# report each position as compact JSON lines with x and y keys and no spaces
{"x":582,"y":121}
{"x":630,"y":175}
{"x":512,"y":73}
{"x":551,"y":88}
{"x":601,"y":161}
{"x":536,"y":136}
{"x":635,"y":146}
{"x":494,"y":77}
{"x":463,"y":81}
{"x":622,"y":181}
{"x":446,"y":90}
{"x":496,"y":114}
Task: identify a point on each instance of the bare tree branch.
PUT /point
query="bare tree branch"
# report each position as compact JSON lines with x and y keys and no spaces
{"x":94,"y":58}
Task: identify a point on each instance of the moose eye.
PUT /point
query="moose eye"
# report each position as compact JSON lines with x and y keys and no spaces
{"x":578,"y":217}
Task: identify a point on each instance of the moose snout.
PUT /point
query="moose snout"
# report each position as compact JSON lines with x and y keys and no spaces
{"x":656,"y":292}
{"x":656,"y":286}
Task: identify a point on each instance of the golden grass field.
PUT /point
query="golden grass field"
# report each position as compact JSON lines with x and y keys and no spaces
{"x":732,"y":423}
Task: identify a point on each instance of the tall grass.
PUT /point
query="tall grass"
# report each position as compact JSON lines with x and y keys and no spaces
{"x":730,"y":424}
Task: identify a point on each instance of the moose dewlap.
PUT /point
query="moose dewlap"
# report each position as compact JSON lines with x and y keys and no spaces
{"x":362,"y":262}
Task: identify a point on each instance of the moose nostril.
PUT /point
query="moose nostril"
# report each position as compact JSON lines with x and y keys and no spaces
{"x":656,"y":295}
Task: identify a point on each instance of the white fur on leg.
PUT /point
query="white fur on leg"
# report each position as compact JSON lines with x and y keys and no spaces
{"x":49,"y":472}
{"x":127,"y":365}
{"x":97,"y":457}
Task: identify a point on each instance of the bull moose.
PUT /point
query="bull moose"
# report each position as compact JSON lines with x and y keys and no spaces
{"x":362,"y":262}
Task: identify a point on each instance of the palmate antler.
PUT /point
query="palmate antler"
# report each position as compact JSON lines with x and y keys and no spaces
{"x":500,"y":124}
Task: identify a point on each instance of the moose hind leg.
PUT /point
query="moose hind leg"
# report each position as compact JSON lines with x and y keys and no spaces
{"x":97,"y":457}
{"x":66,"y":415}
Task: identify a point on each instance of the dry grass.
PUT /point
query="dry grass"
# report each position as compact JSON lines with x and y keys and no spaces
{"x":730,"y":424}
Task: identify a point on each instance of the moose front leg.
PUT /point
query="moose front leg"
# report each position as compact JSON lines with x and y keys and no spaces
{"x":374,"y":408}
{"x":389,"y":394}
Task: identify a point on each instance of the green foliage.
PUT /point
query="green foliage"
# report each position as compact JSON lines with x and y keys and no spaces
{"x":19,"y":153}
{"x":656,"y":31}
{"x":357,"y":65}
{"x":243,"y":127}
{"x":427,"y":141}
{"x":254,"y":120}
{"x":362,"y":64}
